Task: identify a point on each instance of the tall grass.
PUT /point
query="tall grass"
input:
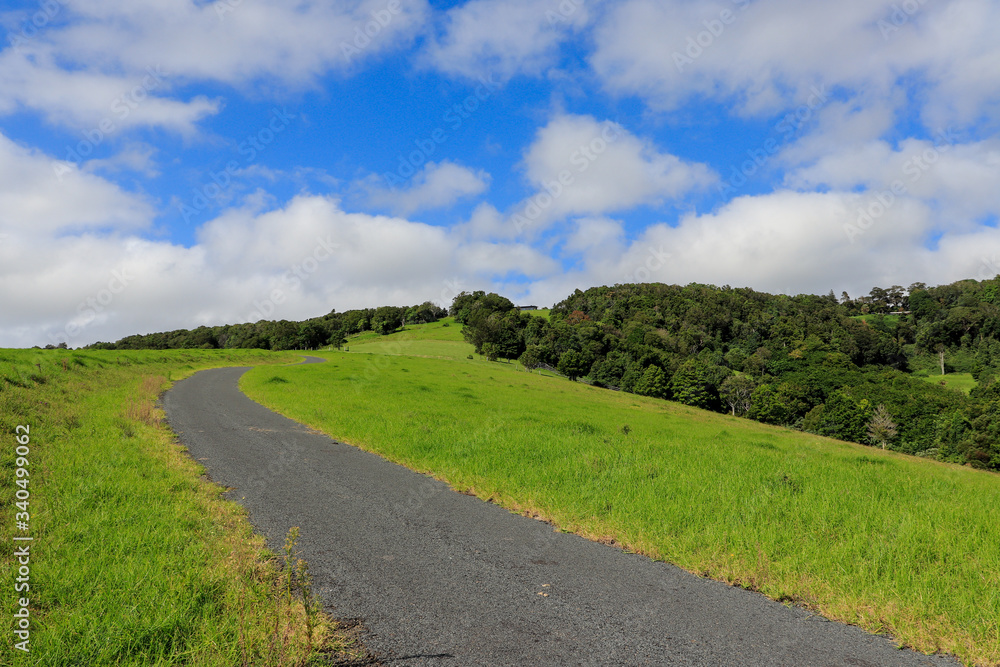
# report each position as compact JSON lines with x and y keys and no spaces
{"x":136,"y":558}
{"x":892,"y":543}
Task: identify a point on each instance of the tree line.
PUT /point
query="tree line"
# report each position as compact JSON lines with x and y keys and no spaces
{"x":331,"y":329}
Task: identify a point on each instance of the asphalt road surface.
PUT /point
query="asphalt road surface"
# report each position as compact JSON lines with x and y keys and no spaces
{"x":441,"y":578}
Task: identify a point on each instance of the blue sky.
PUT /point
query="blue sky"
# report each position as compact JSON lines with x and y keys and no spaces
{"x":172,"y":163}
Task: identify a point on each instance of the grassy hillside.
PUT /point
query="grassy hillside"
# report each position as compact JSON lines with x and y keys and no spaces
{"x":437,"y":340}
{"x":440,"y":340}
{"x":135,"y":558}
{"x":889,"y":542}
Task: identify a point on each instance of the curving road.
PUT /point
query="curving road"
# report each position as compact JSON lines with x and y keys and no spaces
{"x":441,"y":578}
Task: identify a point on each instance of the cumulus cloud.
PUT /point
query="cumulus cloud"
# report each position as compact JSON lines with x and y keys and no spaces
{"x":39,"y":195}
{"x":766,"y":56}
{"x":958,"y":179}
{"x":787,"y":242}
{"x":580,"y":166}
{"x":504,"y":37}
{"x":293,"y":262}
{"x":119,"y":62}
{"x":436,"y":185}
{"x":101,"y":104}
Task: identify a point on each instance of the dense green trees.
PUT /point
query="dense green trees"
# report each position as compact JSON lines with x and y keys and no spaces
{"x":331,"y":329}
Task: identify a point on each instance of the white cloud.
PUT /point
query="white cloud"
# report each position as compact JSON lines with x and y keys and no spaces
{"x":599,"y":239}
{"x":505,"y":37}
{"x":764,"y":56}
{"x":100,"y":104}
{"x":958,"y":179}
{"x":786,"y":242}
{"x":583,"y":167}
{"x":486,"y":222}
{"x":293,"y":262}
{"x":39,"y":195}
{"x":436,"y":185}
{"x":95,"y":61}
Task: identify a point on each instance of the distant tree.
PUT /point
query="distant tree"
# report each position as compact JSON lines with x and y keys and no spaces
{"x":652,"y":383}
{"x":387,"y":319}
{"x":881,"y":429}
{"x":283,"y":335}
{"x":610,"y":370}
{"x":845,"y":417}
{"x":424,"y":313}
{"x":736,"y":391}
{"x":879,"y":300}
{"x":531,"y":359}
{"x":337,"y":338}
{"x":461,"y":305}
{"x":922,"y":304}
{"x":697,"y":383}
{"x":491,"y":351}
{"x":311,"y":335}
{"x":572,"y":364}
{"x":896,"y":297}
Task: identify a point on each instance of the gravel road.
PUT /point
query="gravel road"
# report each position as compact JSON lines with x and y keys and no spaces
{"x":441,"y":578}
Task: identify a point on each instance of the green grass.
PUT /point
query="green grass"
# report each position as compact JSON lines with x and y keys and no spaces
{"x":889,"y":319}
{"x":889,"y":542}
{"x":136,"y":559}
{"x":963,"y":382}
{"x":439,"y":340}
{"x":541,"y":312}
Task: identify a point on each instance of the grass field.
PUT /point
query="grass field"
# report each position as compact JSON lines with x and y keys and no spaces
{"x":891,"y":543}
{"x":963,"y":382}
{"x":439,"y":340}
{"x":889,"y":319}
{"x":135,"y":559}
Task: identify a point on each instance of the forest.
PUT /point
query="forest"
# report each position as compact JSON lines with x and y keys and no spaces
{"x":861,"y":369}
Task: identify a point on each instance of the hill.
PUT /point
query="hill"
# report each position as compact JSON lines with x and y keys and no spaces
{"x":893,"y":543}
{"x":858,"y":369}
